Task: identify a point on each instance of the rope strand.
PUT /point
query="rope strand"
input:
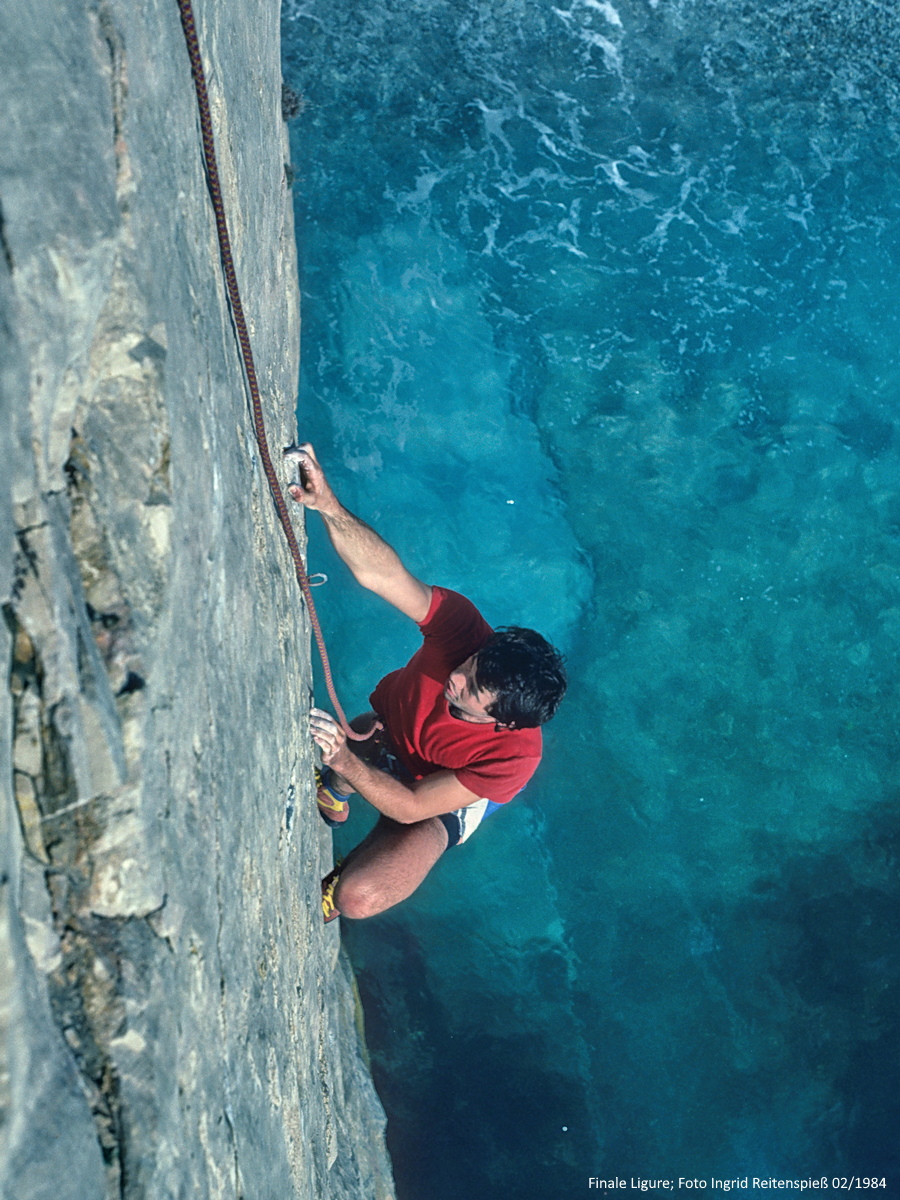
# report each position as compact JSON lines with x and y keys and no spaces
{"x":237,"y":311}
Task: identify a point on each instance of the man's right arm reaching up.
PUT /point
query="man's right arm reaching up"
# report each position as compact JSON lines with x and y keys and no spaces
{"x":372,"y":561}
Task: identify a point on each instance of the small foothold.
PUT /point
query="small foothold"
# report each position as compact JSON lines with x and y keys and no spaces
{"x":133,"y":683}
{"x":292,"y":103}
{"x":289,"y":809}
{"x":148,"y":347}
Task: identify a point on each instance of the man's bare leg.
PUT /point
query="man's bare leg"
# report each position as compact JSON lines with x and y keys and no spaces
{"x":388,"y":866}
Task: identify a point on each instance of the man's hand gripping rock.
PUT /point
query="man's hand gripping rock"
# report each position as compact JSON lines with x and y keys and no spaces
{"x":313,"y":491}
{"x":329,"y":737}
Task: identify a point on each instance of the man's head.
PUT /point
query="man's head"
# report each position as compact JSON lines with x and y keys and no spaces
{"x":516,"y":679}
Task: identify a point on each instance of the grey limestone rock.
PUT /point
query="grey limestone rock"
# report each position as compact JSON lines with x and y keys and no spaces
{"x":175,"y":1019}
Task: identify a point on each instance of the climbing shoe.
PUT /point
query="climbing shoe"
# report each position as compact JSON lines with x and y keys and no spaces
{"x":333,"y":807}
{"x":329,"y":883}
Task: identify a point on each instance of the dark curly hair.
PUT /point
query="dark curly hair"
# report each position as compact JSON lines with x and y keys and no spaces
{"x":525,"y":672}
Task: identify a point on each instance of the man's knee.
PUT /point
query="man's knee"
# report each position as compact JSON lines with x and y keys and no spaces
{"x":358,"y":899}
{"x":399,"y":858}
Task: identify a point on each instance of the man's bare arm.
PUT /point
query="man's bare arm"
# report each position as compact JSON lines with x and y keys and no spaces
{"x":372,"y":561}
{"x":438,"y":793}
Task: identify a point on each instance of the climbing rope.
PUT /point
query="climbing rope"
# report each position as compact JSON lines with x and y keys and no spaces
{"x":237,"y":311}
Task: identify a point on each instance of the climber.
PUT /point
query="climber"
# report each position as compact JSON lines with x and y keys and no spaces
{"x":458,"y":728}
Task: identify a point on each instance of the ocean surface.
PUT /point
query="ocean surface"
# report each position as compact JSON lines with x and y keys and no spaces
{"x":600,"y":327}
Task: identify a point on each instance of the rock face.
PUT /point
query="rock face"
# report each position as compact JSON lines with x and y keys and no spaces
{"x":175,"y":1019}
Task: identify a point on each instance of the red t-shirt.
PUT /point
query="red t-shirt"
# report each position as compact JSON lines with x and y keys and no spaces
{"x":492,"y":763}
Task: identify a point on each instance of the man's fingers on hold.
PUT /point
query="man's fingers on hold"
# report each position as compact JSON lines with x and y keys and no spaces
{"x":322,"y":721}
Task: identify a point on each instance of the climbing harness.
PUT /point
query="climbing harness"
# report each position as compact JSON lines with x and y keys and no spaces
{"x":237,"y":312}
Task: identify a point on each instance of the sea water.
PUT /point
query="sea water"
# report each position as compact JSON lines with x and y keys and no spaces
{"x":600,"y":327}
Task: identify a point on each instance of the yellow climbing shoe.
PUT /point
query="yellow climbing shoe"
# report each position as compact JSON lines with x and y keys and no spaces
{"x":333,"y":807}
{"x":329,"y":883}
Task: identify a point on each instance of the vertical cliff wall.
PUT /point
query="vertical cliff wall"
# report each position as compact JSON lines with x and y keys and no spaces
{"x":175,"y":1020}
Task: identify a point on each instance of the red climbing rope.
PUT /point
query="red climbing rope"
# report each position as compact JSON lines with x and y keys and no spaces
{"x":237,"y":311}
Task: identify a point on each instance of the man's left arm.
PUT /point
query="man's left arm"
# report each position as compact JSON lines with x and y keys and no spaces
{"x":440,"y":792}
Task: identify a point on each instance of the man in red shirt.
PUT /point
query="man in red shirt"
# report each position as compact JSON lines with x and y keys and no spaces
{"x":460,"y":721}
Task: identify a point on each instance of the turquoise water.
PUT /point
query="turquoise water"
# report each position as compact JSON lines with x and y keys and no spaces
{"x":600,"y":328}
